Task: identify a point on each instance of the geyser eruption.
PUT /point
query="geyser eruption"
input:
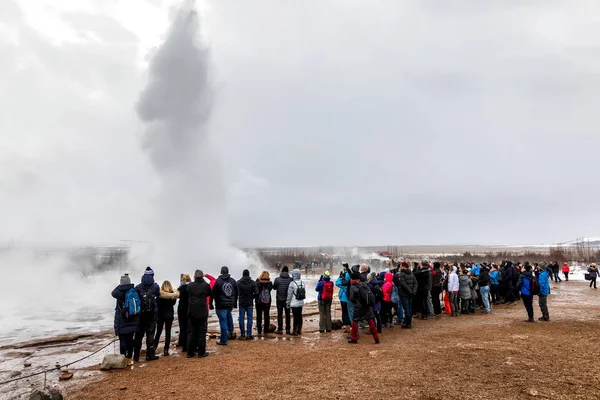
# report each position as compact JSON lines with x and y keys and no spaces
{"x":189,"y":223}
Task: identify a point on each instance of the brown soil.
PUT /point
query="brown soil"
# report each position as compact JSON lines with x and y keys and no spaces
{"x":471,"y":357}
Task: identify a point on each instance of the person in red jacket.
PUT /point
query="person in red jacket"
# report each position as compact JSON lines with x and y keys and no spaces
{"x":386,"y":304}
{"x":565,"y":271}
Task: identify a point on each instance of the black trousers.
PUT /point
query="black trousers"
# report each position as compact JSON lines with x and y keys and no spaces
{"x":297,"y":311}
{"x":183,"y":325}
{"x":196,"y":340}
{"x":345,"y":319}
{"x":126,"y":344}
{"x":528,"y":302}
{"x":593,"y":282}
{"x":495,"y":292}
{"x":167,"y":324}
{"x":435,"y":299}
{"x":386,"y":312}
{"x":146,"y":327}
{"x":263,"y":317}
{"x":281,"y":308}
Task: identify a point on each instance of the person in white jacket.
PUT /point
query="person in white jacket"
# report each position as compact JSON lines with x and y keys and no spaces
{"x":453,"y":286}
{"x":295,"y":301}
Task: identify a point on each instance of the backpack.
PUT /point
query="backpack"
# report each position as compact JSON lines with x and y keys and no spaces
{"x":535,"y":287}
{"x":265,"y":296}
{"x":300,"y":292}
{"x":377,"y":292}
{"x":366,"y":296}
{"x":395,"y":296}
{"x":131,"y":306}
{"x":327,"y":293}
{"x":147,"y":300}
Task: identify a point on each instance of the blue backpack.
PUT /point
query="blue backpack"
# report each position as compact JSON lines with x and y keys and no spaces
{"x":131,"y":306}
{"x":395,"y":297}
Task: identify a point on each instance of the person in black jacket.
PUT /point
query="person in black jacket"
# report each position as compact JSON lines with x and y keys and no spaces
{"x":247,"y":292}
{"x":436,"y":287}
{"x":148,"y":291}
{"x":166,"y":301}
{"x":362,"y":311}
{"x":263,"y":302}
{"x":125,"y":325}
{"x":281,"y":285}
{"x":225,"y":299}
{"x":198,"y":292}
{"x":182,"y":312}
{"x":508,"y":275}
{"x":424,"y":281}
{"x":408,"y":288}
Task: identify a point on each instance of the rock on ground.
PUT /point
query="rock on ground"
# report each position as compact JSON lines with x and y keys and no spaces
{"x":113,"y":361}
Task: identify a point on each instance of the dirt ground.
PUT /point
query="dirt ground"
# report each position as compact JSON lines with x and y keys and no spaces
{"x":471,"y":357}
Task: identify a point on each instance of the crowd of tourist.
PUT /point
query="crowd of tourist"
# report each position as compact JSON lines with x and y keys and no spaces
{"x":368,"y":299}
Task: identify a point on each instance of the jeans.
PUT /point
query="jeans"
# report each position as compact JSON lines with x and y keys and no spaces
{"x":544,"y":307}
{"x":345,"y":318}
{"x":168,"y":324}
{"x":435,"y":299}
{"x":126,"y":344}
{"x":262,"y":315}
{"x":325,"y":315}
{"x":245,"y":311}
{"x":407,"y":305}
{"x":225,"y":324}
{"x":281,"y":308}
{"x":350,"y":311}
{"x":454,"y":302}
{"x":429,"y":304}
{"x":196,"y":332}
{"x":556,"y":277}
{"x":297,"y":313}
{"x":528,"y":302}
{"x":399,"y":311}
{"x":485,"y":297}
{"x":146,"y":327}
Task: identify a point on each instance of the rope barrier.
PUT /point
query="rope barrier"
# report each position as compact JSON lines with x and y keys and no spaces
{"x":57,"y":367}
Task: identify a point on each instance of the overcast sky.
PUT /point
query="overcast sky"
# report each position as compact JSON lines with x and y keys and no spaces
{"x":336,"y":122}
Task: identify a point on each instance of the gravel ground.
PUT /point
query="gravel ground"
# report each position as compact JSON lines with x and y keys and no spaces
{"x":471,"y":357}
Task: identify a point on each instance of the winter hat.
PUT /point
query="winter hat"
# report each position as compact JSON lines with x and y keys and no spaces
{"x":355,"y":275}
{"x":285,"y":269}
{"x":246,"y":273}
{"x":224,"y":270}
{"x":436,"y":265}
{"x":405,"y":264}
{"x":149,"y":271}
{"x":125,"y":280}
{"x":327,"y":274}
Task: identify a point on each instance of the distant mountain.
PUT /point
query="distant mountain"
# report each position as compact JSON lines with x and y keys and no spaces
{"x":581,"y":242}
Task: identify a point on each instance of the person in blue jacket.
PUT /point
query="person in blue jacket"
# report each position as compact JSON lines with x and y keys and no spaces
{"x":373,"y":281}
{"x":495,"y":284}
{"x":125,"y":326}
{"x":343,"y":296}
{"x":544,"y":281}
{"x":525,"y":285}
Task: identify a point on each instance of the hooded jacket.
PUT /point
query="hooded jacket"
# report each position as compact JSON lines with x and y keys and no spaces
{"x":198,"y":291}
{"x":225,"y":293}
{"x":566,"y":268}
{"x":292,"y":301}
{"x":407,"y":283}
{"x":340,"y":283}
{"x":465,"y":284}
{"x":247,"y":291}
{"x":388,"y":287}
{"x":281,"y":285}
{"x":453,"y":283}
{"x":593,"y":272}
{"x":524,"y":284}
{"x":166,"y":302}
{"x":148,"y":284}
{"x":436,"y":276}
{"x":361,"y":311}
{"x":182,"y":307}
{"x":123,"y":326}
{"x":544,"y":280}
{"x":320,"y":285}
{"x":484,"y":278}
{"x":424,"y":280}
{"x":376,"y":282}
{"x":494,"y":275}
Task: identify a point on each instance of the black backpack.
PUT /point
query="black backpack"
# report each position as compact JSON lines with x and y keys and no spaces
{"x":377,"y":292}
{"x":367,"y":297}
{"x":300,"y":292}
{"x":147,"y":300}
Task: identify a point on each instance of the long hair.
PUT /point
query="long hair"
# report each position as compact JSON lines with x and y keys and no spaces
{"x":167,"y":287}
{"x":265,"y":276}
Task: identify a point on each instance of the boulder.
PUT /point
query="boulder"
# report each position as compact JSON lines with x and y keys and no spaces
{"x":113,"y":361}
{"x":337,"y":324}
{"x":47,"y":394}
{"x":272,"y":328}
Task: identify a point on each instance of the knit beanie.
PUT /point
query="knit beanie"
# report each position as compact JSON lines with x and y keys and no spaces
{"x":246,"y":273}
{"x":125,"y":280}
{"x":149,"y":271}
{"x":327,"y":274}
{"x":285,"y":269}
{"x":405,"y":264}
{"x":224,"y":270}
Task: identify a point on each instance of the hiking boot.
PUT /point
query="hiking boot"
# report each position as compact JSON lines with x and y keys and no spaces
{"x":203,"y":355}
{"x":242,"y":337}
{"x":219,"y":343}
{"x":376,"y":341}
{"x":166,"y":353}
{"x":278,"y":332}
{"x":529,"y":320}
{"x":287,"y":331}
{"x":189,"y":356}
{"x":320,"y":331}
{"x":249,"y":337}
{"x":353,"y":341}
{"x":231,"y":336}
{"x":152,"y":357}
{"x":327,"y":330}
